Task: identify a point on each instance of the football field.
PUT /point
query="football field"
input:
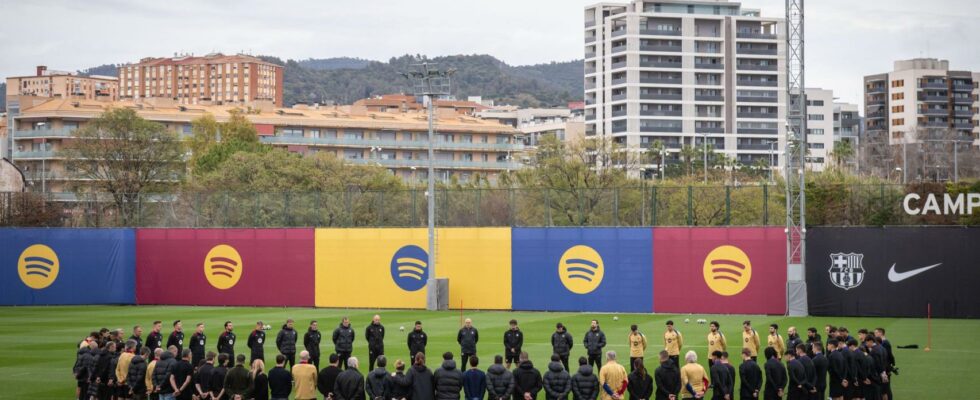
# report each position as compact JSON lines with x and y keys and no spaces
{"x":38,"y":344}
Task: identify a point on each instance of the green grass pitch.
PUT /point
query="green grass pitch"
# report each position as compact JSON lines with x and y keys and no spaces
{"x":38,"y":344}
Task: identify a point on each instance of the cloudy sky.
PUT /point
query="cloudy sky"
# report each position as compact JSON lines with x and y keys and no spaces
{"x":846,"y":39}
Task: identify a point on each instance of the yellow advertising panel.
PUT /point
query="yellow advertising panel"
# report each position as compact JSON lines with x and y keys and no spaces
{"x":388,"y":268}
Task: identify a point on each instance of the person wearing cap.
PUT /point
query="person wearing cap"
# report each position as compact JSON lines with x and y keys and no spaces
{"x":256,"y":342}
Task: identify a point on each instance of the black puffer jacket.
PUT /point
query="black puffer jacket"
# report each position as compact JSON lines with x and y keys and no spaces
{"x":448,"y":381}
{"x":349,"y":385}
{"x":500,"y":382}
{"x":398,"y":386}
{"x":286,"y":340}
{"x":162,"y":371}
{"x":585,"y":385}
{"x":137,"y":375}
{"x":561,"y":343}
{"x":422,"y":383}
{"x":640,"y":388}
{"x":84,"y":364}
{"x":594,"y":341}
{"x":343,"y":339}
{"x":557,"y":382}
{"x":376,"y":384}
{"x":375,"y":335}
{"x":527,"y":379}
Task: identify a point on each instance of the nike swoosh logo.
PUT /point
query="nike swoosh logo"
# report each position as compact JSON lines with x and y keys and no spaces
{"x":895,"y":276}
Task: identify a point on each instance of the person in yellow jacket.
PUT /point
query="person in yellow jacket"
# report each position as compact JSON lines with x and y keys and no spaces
{"x":304,"y":376}
{"x":612,"y":378}
{"x":775,"y":340}
{"x":122,"y":369}
{"x":716,"y":341}
{"x":694,"y":381}
{"x":750,"y":339}
{"x":149,"y":370}
{"x":638,"y":344}
{"x":673,"y":342}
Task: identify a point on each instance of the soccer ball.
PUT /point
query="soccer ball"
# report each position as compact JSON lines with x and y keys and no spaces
{"x":402,"y":328}
{"x":615,"y":318}
{"x":687,"y":320}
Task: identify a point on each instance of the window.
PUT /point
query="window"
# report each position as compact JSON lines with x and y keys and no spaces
{"x":690,"y":9}
{"x":898,"y":96}
{"x":815,"y":145}
{"x":898,"y":83}
{"x":815,"y":117}
{"x":816,"y":132}
{"x":353,"y":135}
{"x":898,"y":121}
{"x":898,"y":109}
{"x":815,"y":103}
{"x":293,"y":132}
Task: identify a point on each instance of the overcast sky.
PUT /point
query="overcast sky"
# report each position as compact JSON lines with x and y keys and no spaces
{"x":846,"y":39}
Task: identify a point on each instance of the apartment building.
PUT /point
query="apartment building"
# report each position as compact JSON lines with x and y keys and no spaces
{"x":922,"y":93}
{"x":828,"y":123}
{"x":465,"y":146}
{"x":404,"y":102}
{"x":211,"y":79}
{"x":534,"y":123}
{"x":683,"y":72}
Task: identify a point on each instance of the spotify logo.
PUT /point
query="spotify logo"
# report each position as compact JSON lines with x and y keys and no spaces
{"x":580,"y":269}
{"x":38,"y":266}
{"x":223,"y":266}
{"x":727,"y":270}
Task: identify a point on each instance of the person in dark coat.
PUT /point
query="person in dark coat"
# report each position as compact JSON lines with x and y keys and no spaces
{"x":799,"y":387}
{"x":422,"y":381}
{"x":733,"y":377}
{"x":557,"y":382}
{"x":812,"y":337}
{"x":667,"y":377}
{"x":376,"y":389}
{"x":594,"y":341}
{"x":467,"y":338}
{"x":500,"y":381}
{"x":311,"y":341}
{"x":182,"y":376}
{"x":176,"y":337}
{"x":417,"y":340}
{"x":218,"y":375}
{"x":527,"y":380}
{"x":750,"y":376}
{"x":448,"y":380}
{"x":286,"y":342}
{"x":375,"y":335}
{"x":136,"y":379}
{"x":226,"y":341}
{"x":820,"y":365}
{"x":256,"y":342}
{"x":720,"y":379}
{"x":280,"y":380}
{"x":398,"y":385}
{"x":98,"y":385}
{"x":343,"y":341}
{"x":259,"y":388}
{"x":836,"y":369}
{"x":853,"y":361}
{"x":236,"y":380}
{"x":202,"y":378}
{"x":197,"y":345}
{"x":775,"y":375}
{"x":327,"y":376}
{"x":793,"y":339}
{"x":868,"y":375}
{"x":640,"y":383}
{"x":162,"y":371}
{"x":809,"y":368}
{"x":585,"y":383}
{"x":561,"y":344}
{"x":350,"y":383}
{"x":474,"y":381}
{"x":85,"y":366}
{"x":513,"y":343}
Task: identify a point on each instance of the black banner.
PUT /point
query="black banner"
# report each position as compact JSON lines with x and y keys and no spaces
{"x":894,"y":272}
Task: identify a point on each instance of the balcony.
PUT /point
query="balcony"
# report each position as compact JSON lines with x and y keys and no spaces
{"x":589,"y":71}
{"x":752,"y":82}
{"x":44,"y":133}
{"x":619,"y":113}
{"x":619,"y":32}
{"x":876,"y":90}
{"x":661,"y":113}
{"x":934,"y":111}
{"x":934,"y":124}
{"x":756,"y":51}
{"x":759,"y":115}
{"x":664,"y":81}
{"x":590,"y":54}
{"x":457,"y":164}
{"x":618,"y":97}
{"x":660,"y":96}
{"x":963,"y":113}
{"x":660,"y":64}
{"x":707,"y":50}
{"x":618,"y":65}
{"x":589,"y":39}
{"x":933,"y":85}
{"x":661,"y":48}
{"x":707,"y":82}
{"x":660,"y":32}
{"x":708,"y":115}
{"x":709,"y":129}
{"x":618,"y":81}
{"x":618,"y":128}
{"x":756,"y":67}
{"x":756,"y":99}
{"x":962,"y":87}
{"x":708,"y":97}
{"x":666,"y":129}
{"x":590,"y":117}
{"x":708,"y":66}
{"x":756,"y":35}
{"x":962,"y":100}
{"x":963,"y":125}
{"x":391,"y":144}
{"x":933,"y":98}
{"x":38,"y":154}
{"x":754,"y":146}
{"x":759,"y":131}
{"x":618,"y":49}
{"x":589,"y":24}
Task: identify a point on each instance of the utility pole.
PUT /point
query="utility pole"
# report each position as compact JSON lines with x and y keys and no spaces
{"x":431,"y":83}
{"x":795,"y":163}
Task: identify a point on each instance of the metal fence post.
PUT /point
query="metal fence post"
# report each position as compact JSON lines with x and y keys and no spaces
{"x":479,"y":206}
{"x":653,"y":206}
{"x":765,"y":205}
{"x":616,"y":207}
{"x":510,"y":206}
{"x":415,"y":205}
{"x":286,"y":220}
{"x":547,"y":206}
{"x":690,"y":205}
{"x":728,"y":205}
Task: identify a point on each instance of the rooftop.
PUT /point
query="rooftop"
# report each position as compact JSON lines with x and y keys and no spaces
{"x":213,"y":58}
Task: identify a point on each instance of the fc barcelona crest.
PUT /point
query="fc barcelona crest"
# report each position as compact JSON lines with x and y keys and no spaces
{"x":846,"y":271}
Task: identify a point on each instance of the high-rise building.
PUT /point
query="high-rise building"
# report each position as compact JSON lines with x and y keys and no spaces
{"x":535,"y":123}
{"x":686,"y":71}
{"x":921,"y":95}
{"x":212,"y":79}
{"x":828,"y":123}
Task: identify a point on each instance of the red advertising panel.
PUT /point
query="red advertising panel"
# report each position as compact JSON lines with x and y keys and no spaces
{"x":217,"y":267}
{"x":719,"y":270}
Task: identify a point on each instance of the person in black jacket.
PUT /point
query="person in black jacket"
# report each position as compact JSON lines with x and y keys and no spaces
{"x":500,"y":381}
{"x":176,"y":338}
{"x":311,"y":341}
{"x":327,"y":376}
{"x":102,"y":372}
{"x":474,"y":381}
{"x":343,"y":341}
{"x":398,"y":385}
{"x":557,"y":382}
{"x":809,"y":368}
{"x":820,"y":365}
{"x":136,"y":379}
{"x":585,"y":384}
{"x":256,"y":342}
{"x":417,"y":340}
{"x":217,"y":382}
{"x":750,"y":376}
{"x":197,"y":344}
{"x":422,"y":380}
{"x":259,"y":387}
{"x":640,"y":384}
{"x":527,"y":380}
{"x":775,"y":375}
{"x":376,"y":381}
{"x":868,"y":375}
{"x":467,"y":338}
{"x":594,"y":341}
{"x":202,"y":378}
{"x":375,"y":335}
{"x":667,"y":377}
{"x":286,"y":342}
{"x":448,"y":380}
{"x":792,"y":338}
{"x":890,"y":369}
{"x":561,"y":344}
{"x":731,"y":373}
{"x":155,"y":339}
{"x":182,"y":375}
{"x":163,"y":370}
{"x":280,"y":380}
{"x":880,"y":358}
{"x":798,"y":384}
{"x":720,"y":379}
{"x":853,"y":360}
{"x":513,"y":343}
{"x":836,"y":369}
{"x":138,"y":338}
{"x":350,"y":383}
{"x":85,"y":366}
{"x":226,"y":342}
{"x":812,"y":337}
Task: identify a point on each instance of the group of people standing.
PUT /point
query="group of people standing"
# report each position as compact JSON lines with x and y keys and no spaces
{"x":109,"y":367}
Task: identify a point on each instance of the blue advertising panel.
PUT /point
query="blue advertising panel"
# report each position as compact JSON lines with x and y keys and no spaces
{"x":582,"y":269}
{"x":67,"y":266}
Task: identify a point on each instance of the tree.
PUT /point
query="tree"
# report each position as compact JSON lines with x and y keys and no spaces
{"x":125,"y":156}
{"x":215,"y":142}
{"x":689,"y":154}
{"x":843,"y":151}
